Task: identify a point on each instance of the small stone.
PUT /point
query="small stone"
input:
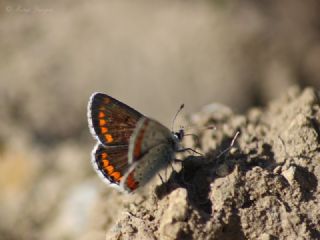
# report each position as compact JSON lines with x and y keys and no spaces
{"x":289,"y":174}
{"x":171,"y":231}
{"x":233,"y":150}
{"x":254,"y":115}
{"x":277,"y":170}
{"x":266,"y":236}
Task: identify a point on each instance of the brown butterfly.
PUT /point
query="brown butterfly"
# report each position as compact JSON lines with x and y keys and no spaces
{"x":131,"y":147}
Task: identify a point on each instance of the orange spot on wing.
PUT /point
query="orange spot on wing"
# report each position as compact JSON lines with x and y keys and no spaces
{"x":108,"y":138}
{"x":102,"y":122}
{"x":137,"y":147}
{"x":103,"y":130}
{"x":101,"y":114}
{"x":104,"y":155}
{"x":105,"y":163}
{"x":131,"y":183}
{"x":110,"y":169}
{"x":116,"y":176}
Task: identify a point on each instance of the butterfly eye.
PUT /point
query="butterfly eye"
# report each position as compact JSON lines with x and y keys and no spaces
{"x":177,"y":135}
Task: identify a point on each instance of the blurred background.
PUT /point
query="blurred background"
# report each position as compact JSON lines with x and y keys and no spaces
{"x":152,"y":55}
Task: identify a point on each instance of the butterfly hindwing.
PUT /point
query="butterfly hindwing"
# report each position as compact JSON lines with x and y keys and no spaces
{"x":151,"y":149}
{"x":111,"y":121}
{"x":111,"y":164}
{"x":151,"y":162}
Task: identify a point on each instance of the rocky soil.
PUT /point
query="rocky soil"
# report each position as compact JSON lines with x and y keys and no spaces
{"x":154,"y":56}
{"x":264,"y":186}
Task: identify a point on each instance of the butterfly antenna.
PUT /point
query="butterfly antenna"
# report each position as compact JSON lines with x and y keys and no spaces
{"x":210,"y":127}
{"x":175,"y":116}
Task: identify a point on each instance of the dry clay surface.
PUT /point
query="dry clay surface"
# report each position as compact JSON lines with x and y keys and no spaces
{"x":265,"y":187}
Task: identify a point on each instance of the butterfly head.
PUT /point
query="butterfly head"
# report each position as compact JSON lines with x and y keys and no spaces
{"x":178,"y":136}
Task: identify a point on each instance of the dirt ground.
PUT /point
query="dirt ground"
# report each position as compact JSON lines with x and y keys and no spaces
{"x":153,"y":56}
{"x":265,"y":187}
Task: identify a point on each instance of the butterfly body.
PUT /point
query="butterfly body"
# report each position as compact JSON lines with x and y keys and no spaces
{"x":131,"y":147}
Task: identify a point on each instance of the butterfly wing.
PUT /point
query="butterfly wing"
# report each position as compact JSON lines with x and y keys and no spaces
{"x":148,"y":134}
{"x":111,"y":121}
{"x":111,"y":164}
{"x":131,"y":148}
{"x":149,"y":164}
{"x":151,"y":148}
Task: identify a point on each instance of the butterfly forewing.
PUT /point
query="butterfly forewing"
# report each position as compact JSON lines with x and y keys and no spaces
{"x":111,"y":121}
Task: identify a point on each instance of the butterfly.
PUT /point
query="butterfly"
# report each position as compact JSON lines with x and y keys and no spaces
{"x":131,"y":148}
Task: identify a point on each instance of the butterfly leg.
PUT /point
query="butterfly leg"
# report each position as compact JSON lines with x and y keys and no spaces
{"x":166,"y":187}
{"x":161,"y":179}
{"x":189,"y":149}
{"x":231,"y":144}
